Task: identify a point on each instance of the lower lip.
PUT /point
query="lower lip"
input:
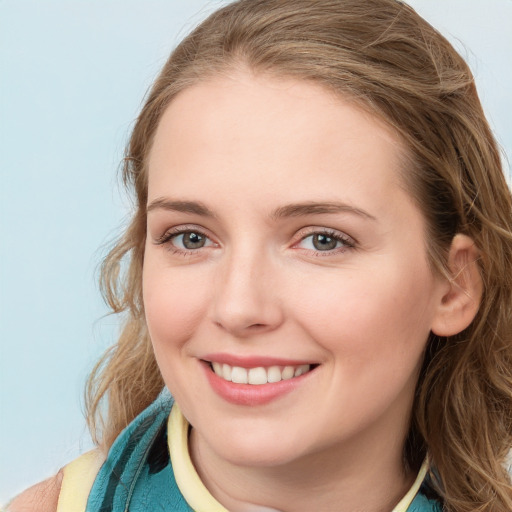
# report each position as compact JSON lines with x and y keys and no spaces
{"x":250,"y":394}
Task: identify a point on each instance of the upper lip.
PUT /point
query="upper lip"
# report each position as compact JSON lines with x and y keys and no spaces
{"x":253,"y":361}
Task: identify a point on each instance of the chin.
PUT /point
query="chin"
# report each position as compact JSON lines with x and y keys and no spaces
{"x":256,"y":456}
{"x":256,"y":448}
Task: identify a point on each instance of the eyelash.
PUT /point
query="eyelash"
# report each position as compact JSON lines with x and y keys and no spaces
{"x":346,"y":241}
{"x":167,"y":238}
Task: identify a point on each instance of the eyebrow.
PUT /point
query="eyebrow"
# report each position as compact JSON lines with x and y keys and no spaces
{"x":289,"y":210}
{"x":315,"y":208}
{"x":193,"y":207}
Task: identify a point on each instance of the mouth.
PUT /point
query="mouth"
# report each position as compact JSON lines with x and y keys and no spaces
{"x":255,"y":380}
{"x":260,"y":375}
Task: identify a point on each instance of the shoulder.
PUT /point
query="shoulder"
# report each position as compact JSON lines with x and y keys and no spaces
{"x":42,"y":497}
{"x":67,"y":490}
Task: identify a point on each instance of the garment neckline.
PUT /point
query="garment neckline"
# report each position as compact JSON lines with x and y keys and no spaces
{"x":195,"y":492}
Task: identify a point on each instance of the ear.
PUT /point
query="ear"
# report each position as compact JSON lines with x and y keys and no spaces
{"x":461,"y":300}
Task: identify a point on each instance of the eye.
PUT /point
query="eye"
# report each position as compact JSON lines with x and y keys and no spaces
{"x":189,"y":240}
{"x":326,"y":241}
{"x":184,"y":240}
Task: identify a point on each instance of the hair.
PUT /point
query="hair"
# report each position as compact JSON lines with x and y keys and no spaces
{"x":392,"y":63}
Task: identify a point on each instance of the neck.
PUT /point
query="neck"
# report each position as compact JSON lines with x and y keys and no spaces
{"x":365,"y":476}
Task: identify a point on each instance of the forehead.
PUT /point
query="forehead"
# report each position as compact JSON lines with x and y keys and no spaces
{"x":266,"y":133}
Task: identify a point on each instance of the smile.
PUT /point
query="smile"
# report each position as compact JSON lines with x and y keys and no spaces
{"x":259,"y":375}
{"x":255,"y":380}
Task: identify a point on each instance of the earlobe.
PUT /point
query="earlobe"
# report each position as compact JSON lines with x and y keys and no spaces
{"x":459,"y":305}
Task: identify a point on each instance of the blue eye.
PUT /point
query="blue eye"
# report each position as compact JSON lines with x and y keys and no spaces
{"x":324,"y":242}
{"x":190,"y":240}
{"x":184,"y":240}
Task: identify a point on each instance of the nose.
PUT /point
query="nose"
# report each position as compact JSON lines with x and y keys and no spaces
{"x":247,"y":296}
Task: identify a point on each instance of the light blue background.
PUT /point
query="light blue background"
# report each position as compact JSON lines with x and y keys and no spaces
{"x":72,"y":77}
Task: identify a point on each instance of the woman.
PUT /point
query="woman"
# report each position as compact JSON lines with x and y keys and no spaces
{"x":319,"y":272}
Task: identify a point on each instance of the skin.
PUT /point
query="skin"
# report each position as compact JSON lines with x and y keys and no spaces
{"x":42,"y":497}
{"x":242,"y":150}
{"x":245,"y":147}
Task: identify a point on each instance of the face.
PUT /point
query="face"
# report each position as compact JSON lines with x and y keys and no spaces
{"x":286,"y":286}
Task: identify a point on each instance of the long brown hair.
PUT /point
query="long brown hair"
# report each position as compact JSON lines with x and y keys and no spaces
{"x":386,"y":58}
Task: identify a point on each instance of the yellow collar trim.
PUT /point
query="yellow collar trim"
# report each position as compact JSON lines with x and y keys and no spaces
{"x":193,"y":489}
{"x":189,"y":483}
{"x":405,"y":502}
{"x":79,"y":476}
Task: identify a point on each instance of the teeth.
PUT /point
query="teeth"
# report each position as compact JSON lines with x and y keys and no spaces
{"x":239,"y":375}
{"x":258,"y":376}
{"x":301,"y":369}
{"x":226,"y":372}
{"x":288,"y":372}
{"x":274,"y":374}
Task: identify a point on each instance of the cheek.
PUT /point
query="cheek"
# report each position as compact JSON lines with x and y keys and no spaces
{"x":174,"y":304}
{"x":370,"y":316}
{"x":374,"y":332}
